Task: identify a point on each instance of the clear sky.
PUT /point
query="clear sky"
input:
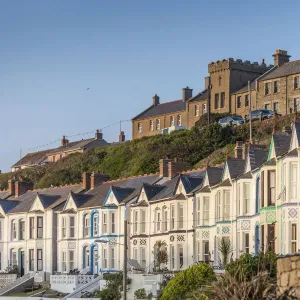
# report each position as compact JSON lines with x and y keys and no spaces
{"x":124,"y":51}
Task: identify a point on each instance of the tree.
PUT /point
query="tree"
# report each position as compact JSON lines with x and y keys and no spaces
{"x":225,"y":248}
{"x":160,"y":253}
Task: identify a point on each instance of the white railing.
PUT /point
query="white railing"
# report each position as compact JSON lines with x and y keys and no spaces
{"x":85,"y":271}
{"x":16,"y":283}
{"x":96,"y":284}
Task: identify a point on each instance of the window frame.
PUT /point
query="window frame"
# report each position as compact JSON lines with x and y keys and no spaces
{"x":275,"y":87}
{"x":206,"y":210}
{"x":180,"y":216}
{"x":39,"y":260}
{"x":196,"y":110}
{"x":179,"y":119}
{"x":39,"y":229}
{"x":157,"y":124}
{"x":140,"y":127}
{"x":31,"y":227}
{"x":72,"y":227}
{"x":63,"y":227}
{"x":31,"y":259}
{"x":247,"y":198}
{"x":151,"y":125}
{"x":293,"y":238}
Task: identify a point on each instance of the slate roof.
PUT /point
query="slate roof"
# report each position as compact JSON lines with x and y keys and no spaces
{"x":226,"y":182}
{"x":4,"y":194}
{"x":271,"y":162}
{"x":293,"y":153}
{"x":7,"y":205}
{"x":236,"y":167}
{"x":205,"y":189}
{"x":37,"y":158}
{"x":80,"y":199}
{"x":152,"y":190}
{"x":99,"y":193}
{"x":247,"y":175}
{"x":122,"y":193}
{"x":289,"y":68}
{"x":214,"y":174}
{"x":48,"y":200}
{"x":296,"y":125}
{"x":281,"y":143}
{"x":169,"y":190}
{"x":26,"y":200}
{"x":161,"y":109}
{"x":258,"y":155}
{"x":200,"y":96}
{"x":190,"y":183}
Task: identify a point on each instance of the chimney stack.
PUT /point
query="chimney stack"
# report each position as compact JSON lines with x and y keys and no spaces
{"x":97,"y":178}
{"x":11,"y":187}
{"x":64,"y":141}
{"x":98,"y":135}
{"x":245,"y":150}
{"x":155,"y":100}
{"x":171,"y":167}
{"x":281,"y":57}
{"x":122,"y":137}
{"x":86,"y":180}
{"x":238,"y":151}
{"x":263,"y":61}
{"x":21,"y":187}
{"x":187,"y":93}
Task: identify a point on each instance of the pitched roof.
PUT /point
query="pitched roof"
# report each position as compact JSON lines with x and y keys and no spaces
{"x":80,"y":199}
{"x":296,"y":130}
{"x":152,"y":190}
{"x":99,"y":193}
{"x":293,"y":153}
{"x":190,"y":183}
{"x":226,"y":182}
{"x":247,"y":175}
{"x":169,"y":190}
{"x":121,"y":193}
{"x":26,"y":200}
{"x":200,"y":96}
{"x":236,"y":167}
{"x":33,"y":159}
{"x":214,"y":174}
{"x":271,"y":162}
{"x":289,"y":68}
{"x":281,"y":143}
{"x":258,"y":154}
{"x":47,"y":200}
{"x":161,"y":109}
{"x":7,"y":205}
{"x":4,"y":194}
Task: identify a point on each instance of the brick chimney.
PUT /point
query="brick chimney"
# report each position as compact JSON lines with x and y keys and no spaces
{"x":187,"y":93}
{"x":22,"y":187}
{"x":281,"y":57}
{"x":155,"y":100}
{"x":175,"y":167}
{"x":163,"y":167}
{"x":86,"y":180}
{"x":122,"y":137}
{"x":64,"y":141}
{"x":97,"y":178}
{"x":245,"y":150}
{"x":238,"y":150}
{"x":11,"y":187}
{"x":98,"y":135}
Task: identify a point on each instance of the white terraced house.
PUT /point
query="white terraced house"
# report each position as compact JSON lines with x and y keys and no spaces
{"x":251,"y":200}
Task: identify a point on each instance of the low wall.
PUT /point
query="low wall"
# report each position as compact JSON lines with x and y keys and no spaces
{"x":288,"y":275}
{"x":69,"y":283}
{"x":6,"y":279}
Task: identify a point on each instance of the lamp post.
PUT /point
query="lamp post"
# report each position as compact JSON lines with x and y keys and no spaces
{"x":101,"y":241}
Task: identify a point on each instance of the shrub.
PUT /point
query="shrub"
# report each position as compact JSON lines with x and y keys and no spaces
{"x":187,"y":281}
{"x":141,"y":294}
{"x":248,"y":265}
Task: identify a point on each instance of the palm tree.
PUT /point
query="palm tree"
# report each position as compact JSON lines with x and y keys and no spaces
{"x":160,"y":253}
{"x":225,"y":248}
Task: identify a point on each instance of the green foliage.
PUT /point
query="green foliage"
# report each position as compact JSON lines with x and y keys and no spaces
{"x":160,"y":253}
{"x":248,"y":265}
{"x":187,"y":281}
{"x":225,"y":248}
{"x":141,"y":294}
{"x":113,"y":287}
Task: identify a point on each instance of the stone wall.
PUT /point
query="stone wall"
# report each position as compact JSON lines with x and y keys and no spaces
{"x":288,"y":275}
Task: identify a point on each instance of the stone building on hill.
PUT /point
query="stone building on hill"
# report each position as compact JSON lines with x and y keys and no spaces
{"x":275,"y":87}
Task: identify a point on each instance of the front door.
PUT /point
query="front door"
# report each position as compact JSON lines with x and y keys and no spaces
{"x":22,"y":263}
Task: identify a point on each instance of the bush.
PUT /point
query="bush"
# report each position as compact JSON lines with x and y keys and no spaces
{"x":248,"y":265}
{"x":187,"y":281}
{"x":141,"y":294}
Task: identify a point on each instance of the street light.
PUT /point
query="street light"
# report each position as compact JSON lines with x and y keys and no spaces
{"x":101,"y":241}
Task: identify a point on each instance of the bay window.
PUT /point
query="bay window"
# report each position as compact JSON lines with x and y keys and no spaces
{"x":31,"y":259}
{"x":226,"y":205}
{"x":247,"y":198}
{"x":198,"y":210}
{"x":180,"y":216}
{"x":63,"y":227}
{"x":39,"y":234}
{"x":218,"y":206}
{"x":172,"y":219}
{"x":31,"y":227}
{"x":271,"y":187}
{"x":205,"y":211}
{"x":72,"y":227}
{"x":143,"y":221}
{"x":39,"y":259}
{"x":113,"y":225}
{"x":293,"y":181}
{"x":104,"y":223}
{"x":71,"y":260}
{"x":135,"y":222}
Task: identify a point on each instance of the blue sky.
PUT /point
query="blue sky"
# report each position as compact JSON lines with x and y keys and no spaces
{"x":124,"y":52}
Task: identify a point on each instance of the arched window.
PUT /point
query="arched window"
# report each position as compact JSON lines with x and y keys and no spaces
{"x":86,"y":225}
{"x":86,"y":256}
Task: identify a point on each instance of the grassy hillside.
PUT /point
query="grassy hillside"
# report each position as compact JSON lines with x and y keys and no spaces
{"x":141,"y":156}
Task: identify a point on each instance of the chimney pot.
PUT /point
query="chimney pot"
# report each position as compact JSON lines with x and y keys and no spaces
{"x":97,"y":178}
{"x":122,"y":137}
{"x":281,"y":57}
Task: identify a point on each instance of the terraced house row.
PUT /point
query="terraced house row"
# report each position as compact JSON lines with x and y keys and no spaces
{"x":274,"y":87}
{"x":251,"y":200}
